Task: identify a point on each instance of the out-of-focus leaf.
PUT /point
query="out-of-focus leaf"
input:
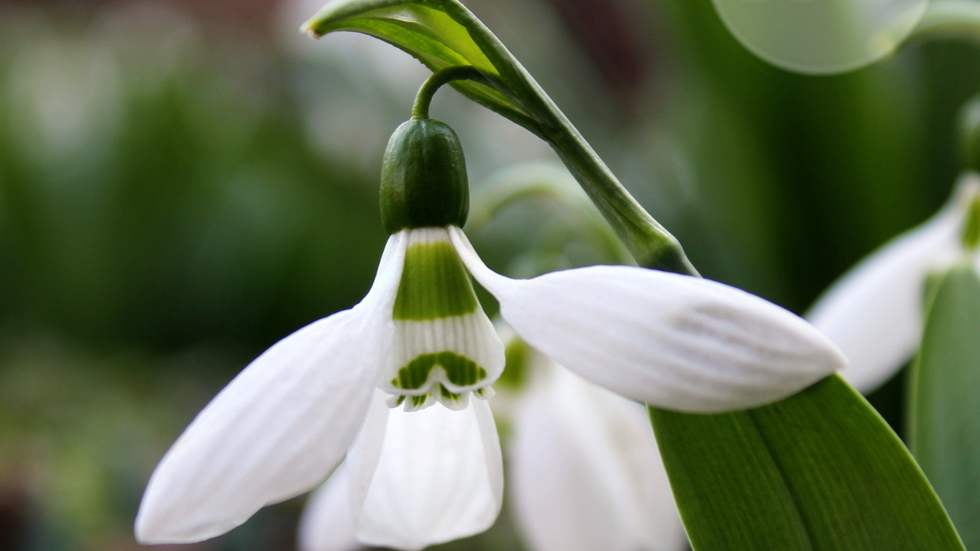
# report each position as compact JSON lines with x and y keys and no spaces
{"x":443,"y":34}
{"x":944,"y":429}
{"x":817,"y":471}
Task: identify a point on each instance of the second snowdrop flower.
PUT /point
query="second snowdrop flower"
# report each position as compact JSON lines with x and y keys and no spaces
{"x":874,"y":312}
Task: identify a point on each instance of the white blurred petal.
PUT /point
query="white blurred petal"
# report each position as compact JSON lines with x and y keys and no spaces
{"x":874,"y":312}
{"x":673,"y":341}
{"x":438,"y":478}
{"x":326,"y":524}
{"x":279,"y":427}
{"x":365,"y":453}
{"x":586,"y":473}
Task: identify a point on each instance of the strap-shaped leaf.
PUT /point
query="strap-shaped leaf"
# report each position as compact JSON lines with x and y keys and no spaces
{"x":818,"y":471}
{"x":442,"y":34}
{"x":945,"y":393}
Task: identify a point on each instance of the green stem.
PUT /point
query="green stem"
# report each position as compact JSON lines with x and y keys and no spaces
{"x":650,"y":243}
{"x":949,"y":19}
{"x":424,"y":98}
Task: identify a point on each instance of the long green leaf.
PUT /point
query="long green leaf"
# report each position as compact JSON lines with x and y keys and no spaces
{"x":443,"y":33}
{"x":945,"y":399}
{"x":820,"y":471}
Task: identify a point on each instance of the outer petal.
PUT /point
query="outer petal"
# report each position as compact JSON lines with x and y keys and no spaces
{"x":326,"y":524}
{"x":874,"y":312}
{"x":278,"y":428}
{"x":439,"y":477}
{"x":586,"y":473}
{"x":673,"y":341}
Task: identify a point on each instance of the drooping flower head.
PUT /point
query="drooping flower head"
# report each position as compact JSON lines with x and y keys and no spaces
{"x":874,"y":312}
{"x":398,"y":384}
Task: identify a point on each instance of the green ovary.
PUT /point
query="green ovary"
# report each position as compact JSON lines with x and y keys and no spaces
{"x":460,"y":370}
{"x":434,"y":284}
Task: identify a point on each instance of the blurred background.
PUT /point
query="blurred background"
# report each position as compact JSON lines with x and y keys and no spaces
{"x":183,"y":183}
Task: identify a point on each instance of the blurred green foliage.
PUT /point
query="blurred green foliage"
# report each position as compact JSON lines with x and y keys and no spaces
{"x":158,"y":202}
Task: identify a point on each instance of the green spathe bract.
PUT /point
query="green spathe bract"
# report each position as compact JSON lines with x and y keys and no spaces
{"x":944,"y":428}
{"x":434,"y":284}
{"x":423,"y":178}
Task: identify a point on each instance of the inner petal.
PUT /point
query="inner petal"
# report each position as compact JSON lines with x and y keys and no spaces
{"x":444,"y":345}
{"x":438,"y":478}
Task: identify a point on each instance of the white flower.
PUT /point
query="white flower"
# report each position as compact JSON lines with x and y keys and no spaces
{"x":585,"y":474}
{"x":420,"y":337}
{"x":874,"y":312}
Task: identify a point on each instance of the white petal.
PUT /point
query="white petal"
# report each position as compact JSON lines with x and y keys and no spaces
{"x":424,"y":349}
{"x":586,"y":473}
{"x":471,"y":336}
{"x":673,"y":341}
{"x":326,"y":524}
{"x":438,"y":478}
{"x":364,"y":455}
{"x":874,"y":312}
{"x":278,"y":428}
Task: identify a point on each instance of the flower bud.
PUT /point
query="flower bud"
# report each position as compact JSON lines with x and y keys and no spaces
{"x":423,"y":178}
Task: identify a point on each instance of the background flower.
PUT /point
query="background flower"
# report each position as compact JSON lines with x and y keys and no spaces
{"x":874,"y":312}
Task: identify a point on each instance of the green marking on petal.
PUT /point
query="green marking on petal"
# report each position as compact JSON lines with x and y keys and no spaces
{"x":418,"y":401}
{"x":434,"y":284}
{"x":449,"y":395}
{"x":460,"y":370}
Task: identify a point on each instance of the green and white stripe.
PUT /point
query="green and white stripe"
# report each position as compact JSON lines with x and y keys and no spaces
{"x":445,"y":346}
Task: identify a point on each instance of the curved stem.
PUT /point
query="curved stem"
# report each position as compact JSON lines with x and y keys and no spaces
{"x":949,"y":19}
{"x":650,"y":243}
{"x":463,"y":72}
{"x":491,"y":203}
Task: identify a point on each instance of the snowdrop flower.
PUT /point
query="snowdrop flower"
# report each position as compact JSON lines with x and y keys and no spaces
{"x":398,"y":383}
{"x":874,"y":312}
{"x":585,"y":473}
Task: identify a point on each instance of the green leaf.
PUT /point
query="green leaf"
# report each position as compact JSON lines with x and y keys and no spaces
{"x":817,"y":471}
{"x":425,"y":30}
{"x":443,"y":34}
{"x":944,"y":428}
